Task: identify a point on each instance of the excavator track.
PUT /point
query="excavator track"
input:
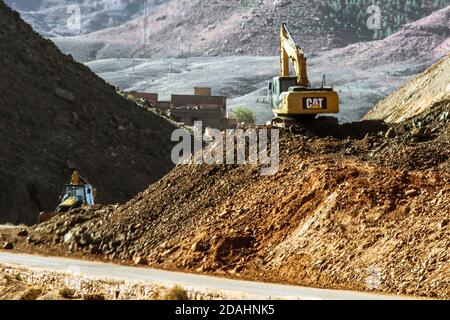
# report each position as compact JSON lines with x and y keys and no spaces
{"x":304,"y":121}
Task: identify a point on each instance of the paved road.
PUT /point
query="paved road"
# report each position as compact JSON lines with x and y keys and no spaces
{"x":246,"y":289}
{"x":8,"y":226}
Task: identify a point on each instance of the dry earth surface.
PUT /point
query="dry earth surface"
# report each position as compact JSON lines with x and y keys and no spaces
{"x":361,"y":206}
{"x":429,"y":89}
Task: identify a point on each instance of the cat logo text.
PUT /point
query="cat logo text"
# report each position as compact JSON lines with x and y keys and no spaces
{"x":314,"y":103}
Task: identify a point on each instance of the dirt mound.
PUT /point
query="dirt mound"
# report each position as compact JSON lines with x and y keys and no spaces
{"x":429,"y":89}
{"x":344,"y":211}
{"x":56,"y":115}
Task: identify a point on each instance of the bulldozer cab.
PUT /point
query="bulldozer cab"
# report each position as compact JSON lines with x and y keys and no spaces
{"x":76,"y":194}
{"x":84,"y":193}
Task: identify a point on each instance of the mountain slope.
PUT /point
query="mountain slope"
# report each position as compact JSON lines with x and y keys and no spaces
{"x":429,"y":89}
{"x":181,"y":28}
{"x":204,"y":28}
{"x":360,"y":206}
{"x":56,"y":115}
{"x":425,"y":40}
{"x":53,"y":18}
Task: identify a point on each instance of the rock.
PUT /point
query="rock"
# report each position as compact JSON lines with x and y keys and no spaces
{"x":31,"y":294}
{"x":22,"y":233}
{"x":225,"y":213}
{"x":68,"y":237}
{"x":64,"y":94}
{"x":139,"y":260}
{"x":390,"y":133}
{"x":121,"y":128}
{"x":197,"y":247}
{"x":417,"y":133}
{"x":411,"y":193}
{"x":238,"y":269}
{"x":8,"y":245}
{"x":445,"y":116}
{"x":85,"y":239}
{"x":200,"y":269}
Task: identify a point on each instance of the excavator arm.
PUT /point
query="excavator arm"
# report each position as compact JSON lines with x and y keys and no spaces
{"x":290,"y":51}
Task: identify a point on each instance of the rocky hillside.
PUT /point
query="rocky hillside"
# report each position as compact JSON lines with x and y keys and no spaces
{"x":200,"y":28}
{"x":427,"y":39}
{"x":53,"y":18}
{"x":349,"y":19}
{"x":211,"y":28}
{"x":56,"y":115}
{"x":431,"y":88}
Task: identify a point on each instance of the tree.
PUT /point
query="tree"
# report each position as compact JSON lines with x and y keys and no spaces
{"x":347,"y":18}
{"x":245,"y":115}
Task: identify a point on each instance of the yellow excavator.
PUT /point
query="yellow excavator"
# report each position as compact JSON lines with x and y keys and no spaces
{"x":78,"y":193}
{"x":292,"y":97}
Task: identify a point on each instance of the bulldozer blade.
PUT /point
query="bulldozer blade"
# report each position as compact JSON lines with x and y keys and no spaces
{"x":45,"y":216}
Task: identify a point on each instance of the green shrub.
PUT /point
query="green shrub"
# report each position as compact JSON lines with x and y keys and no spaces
{"x":176,"y":293}
{"x":242,"y":114}
{"x":348,"y":18}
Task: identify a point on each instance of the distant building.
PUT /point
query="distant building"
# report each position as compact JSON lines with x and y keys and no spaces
{"x":202,"y":106}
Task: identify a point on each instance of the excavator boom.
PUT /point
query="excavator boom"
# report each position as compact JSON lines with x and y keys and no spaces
{"x":290,"y":51}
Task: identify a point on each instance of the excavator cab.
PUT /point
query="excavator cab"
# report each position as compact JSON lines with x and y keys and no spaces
{"x":279,"y":85}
